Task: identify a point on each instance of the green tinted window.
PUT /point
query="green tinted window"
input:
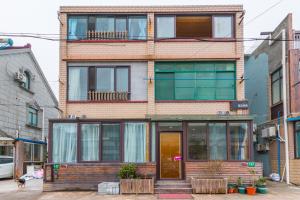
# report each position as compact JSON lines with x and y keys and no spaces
{"x":164,"y":86}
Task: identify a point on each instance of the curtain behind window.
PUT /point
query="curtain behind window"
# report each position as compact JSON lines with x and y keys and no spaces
{"x":223,"y":27}
{"x":238,"y":141}
{"x":137,"y":28}
{"x":135,"y":142}
{"x":64,"y":142}
{"x":105,"y":24}
{"x":105,"y":79}
{"x":77,"y":28}
{"x":111,"y":142}
{"x":217,"y":141}
{"x":78,"y":83}
{"x":90,"y":142}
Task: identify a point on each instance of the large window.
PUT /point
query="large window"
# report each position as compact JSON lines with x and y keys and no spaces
{"x":197,"y":141}
{"x":90,"y":142}
{"x":184,"y":26}
{"x":77,"y":27}
{"x":110,"y":142}
{"x":217,"y":141}
{"x":112,"y":79}
{"x":195,"y":81}
{"x":239,"y":144}
{"x":77,"y":84}
{"x":64,"y":138}
{"x":276,"y":81}
{"x":33,"y":152}
{"x":104,"y":27}
{"x":223,"y":27}
{"x":135,"y":142}
{"x":32,"y":118}
{"x":297,"y":139}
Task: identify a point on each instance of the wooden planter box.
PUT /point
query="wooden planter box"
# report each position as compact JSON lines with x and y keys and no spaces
{"x":209,"y":185}
{"x":137,"y":186}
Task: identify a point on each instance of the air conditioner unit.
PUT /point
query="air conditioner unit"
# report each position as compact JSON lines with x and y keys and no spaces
{"x":263,"y":147}
{"x":20,"y":77}
{"x":72,"y":116}
{"x":268,"y":132}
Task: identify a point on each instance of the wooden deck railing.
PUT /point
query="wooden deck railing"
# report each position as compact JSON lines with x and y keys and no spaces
{"x":108,"y":96}
{"x":99,"y":35}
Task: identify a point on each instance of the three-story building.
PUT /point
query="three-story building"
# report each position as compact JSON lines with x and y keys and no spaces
{"x":160,"y":86}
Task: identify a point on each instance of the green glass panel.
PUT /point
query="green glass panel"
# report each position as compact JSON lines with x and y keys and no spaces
{"x":184,"y":67}
{"x":164,"y":86}
{"x":224,"y":66}
{"x":185,"y":93}
{"x":164,"y":67}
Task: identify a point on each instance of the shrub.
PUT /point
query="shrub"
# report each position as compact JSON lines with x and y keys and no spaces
{"x":128,"y":171}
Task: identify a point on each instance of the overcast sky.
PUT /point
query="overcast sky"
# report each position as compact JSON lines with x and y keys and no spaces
{"x":40,"y":16}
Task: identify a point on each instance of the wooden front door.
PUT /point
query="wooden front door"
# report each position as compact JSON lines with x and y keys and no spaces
{"x":170,"y":155}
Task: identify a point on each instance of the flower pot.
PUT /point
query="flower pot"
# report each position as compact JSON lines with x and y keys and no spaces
{"x":262,"y":190}
{"x":230,"y":190}
{"x":242,"y":190}
{"x":251,"y":190}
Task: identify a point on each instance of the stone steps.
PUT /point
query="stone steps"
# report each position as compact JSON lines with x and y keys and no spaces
{"x":172,"y":187}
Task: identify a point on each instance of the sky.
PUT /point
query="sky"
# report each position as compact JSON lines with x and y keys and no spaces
{"x":40,"y":16}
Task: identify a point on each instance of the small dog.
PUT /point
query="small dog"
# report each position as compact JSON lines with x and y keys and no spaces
{"x":21,"y":182}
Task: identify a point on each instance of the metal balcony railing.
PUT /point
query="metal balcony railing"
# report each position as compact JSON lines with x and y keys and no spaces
{"x":98,"y":35}
{"x":108,"y":96}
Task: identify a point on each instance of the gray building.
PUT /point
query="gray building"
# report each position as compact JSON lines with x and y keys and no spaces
{"x":26,"y":104}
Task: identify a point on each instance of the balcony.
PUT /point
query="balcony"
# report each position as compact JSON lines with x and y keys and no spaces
{"x":108,"y":96}
{"x":96,"y":35}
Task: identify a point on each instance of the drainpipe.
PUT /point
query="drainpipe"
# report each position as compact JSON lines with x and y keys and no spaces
{"x":278,"y":144}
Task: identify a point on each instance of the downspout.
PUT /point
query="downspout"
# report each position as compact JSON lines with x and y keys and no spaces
{"x":278,"y":143}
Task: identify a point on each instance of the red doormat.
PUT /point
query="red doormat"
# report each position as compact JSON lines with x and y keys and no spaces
{"x":175,"y":196}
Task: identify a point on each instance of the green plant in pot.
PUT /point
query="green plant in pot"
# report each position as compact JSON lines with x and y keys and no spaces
{"x":251,"y":190}
{"x":241,"y":187}
{"x":128,"y":171}
{"x":261,"y":185}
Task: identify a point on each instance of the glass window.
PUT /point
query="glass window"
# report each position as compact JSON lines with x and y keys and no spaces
{"x":276,"y":81}
{"x":137,"y":28}
{"x":64,"y":149}
{"x":223,"y":26}
{"x":297,"y":137}
{"x":135,"y":139}
{"x":239,"y":144}
{"x":6,"y":160}
{"x":90,"y":142}
{"x":217,"y":141}
{"x":77,"y":83}
{"x":170,"y":126}
{"x":111,"y":142}
{"x":153,"y":142}
{"x":28,"y":148}
{"x":193,"y":26}
{"x":197,"y":142}
{"x":105,"y":79}
{"x":32,"y":116}
{"x":37,"y":152}
{"x":195,"y":81}
{"x":105,"y":24}
{"x":26,"y":81}
{"x":122,"y":79}
{"x":77,"y":27}
{"x":121,"y":25}
{"x":165,"y":27}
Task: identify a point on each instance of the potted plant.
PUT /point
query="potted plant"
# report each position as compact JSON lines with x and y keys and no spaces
{"x":251,"y":190}
{"x":241,"y":187}
{"x":261,"y":185}
{"x":132,"y":183}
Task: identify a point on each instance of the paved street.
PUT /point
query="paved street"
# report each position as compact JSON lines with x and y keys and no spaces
{"x":33,"y":191}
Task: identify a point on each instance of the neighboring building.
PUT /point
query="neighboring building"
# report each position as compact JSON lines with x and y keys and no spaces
{"x":264,"y":90}
{"x":161,"y":86}
{"x":26,"y":104}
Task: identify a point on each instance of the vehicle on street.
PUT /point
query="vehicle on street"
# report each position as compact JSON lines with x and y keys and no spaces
{"x":6,"y":166}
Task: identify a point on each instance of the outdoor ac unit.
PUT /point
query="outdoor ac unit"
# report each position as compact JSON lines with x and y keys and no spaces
{"x":268,"y":132}
{"x":20,"y":77}
{"x":72,"y":116}
{"x":263,"y":147}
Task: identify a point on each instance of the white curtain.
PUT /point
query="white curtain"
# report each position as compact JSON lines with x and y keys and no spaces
{"x":64,"y":142}
{"x":90,"y":142}
{"x":77,"y":28}
{"x":137,"y":28}
{"x":223,"y":27}
{"x":135,"y":142}
{"x":217,"y":141}
{"x":78,"y":83}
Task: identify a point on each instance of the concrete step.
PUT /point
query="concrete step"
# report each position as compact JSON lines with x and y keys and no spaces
{"x":181,"y":185}
{"x":173,"y":187}
{"x":173,"y":190}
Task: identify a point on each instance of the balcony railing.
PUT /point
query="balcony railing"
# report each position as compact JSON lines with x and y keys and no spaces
{"x":98,"y":35}
{"x":108,"y":96}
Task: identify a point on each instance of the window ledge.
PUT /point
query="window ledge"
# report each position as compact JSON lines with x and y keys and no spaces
{"x":195,"y":39}
{"x":29,"y":91}
{"x":90,"y":102}
{"x":104,"y":41}
{"x":33,"y":127}
{"x":193,"y":101}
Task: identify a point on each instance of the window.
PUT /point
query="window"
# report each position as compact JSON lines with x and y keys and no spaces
{"x":112,"y":79}
{"x":223,"y":26}
{"x":6,"y":160}
{"x":165,"y":27}
{"x":195,"y":81}
{"x":193,"y":26}
{"x":137,"y":28}
{"x":90,"y":142}
{"x":64,"y":138}
{"x":121,"y":24}
{"x":276,"y":81}
{"x":77,"y":27}
{"x":26,"y":81}
{"x":217,"y":141}
{"x":33,"y":152}
{"x":239,"y":144}
{"x":32,"y":116}
{"x":111,"y":142}
{"x":153,"y":142}
{"x":135,"y":142}
{"x":297,"y":139}
{"x":105,"y":24}
{"x":77,"y":83}
{"x":197,"y":142}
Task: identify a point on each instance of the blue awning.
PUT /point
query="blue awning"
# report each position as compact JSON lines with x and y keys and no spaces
{"x":293,"y":119}
{"x":30,"y":141}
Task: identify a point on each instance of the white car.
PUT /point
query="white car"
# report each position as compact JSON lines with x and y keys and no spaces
{"x":6,"y":166}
